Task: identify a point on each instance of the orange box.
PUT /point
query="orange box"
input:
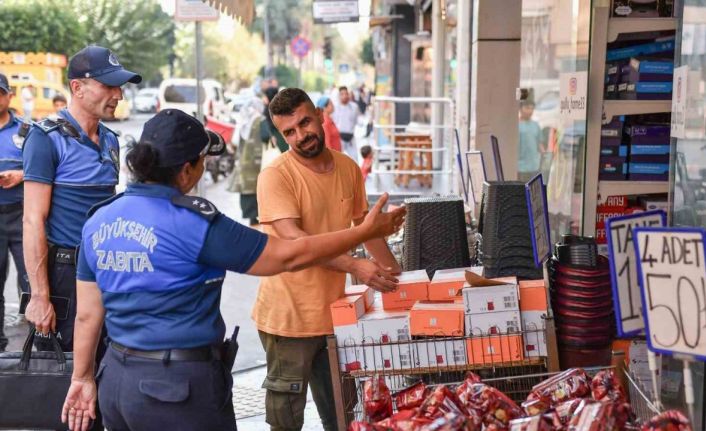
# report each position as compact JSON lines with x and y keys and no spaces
{"x":436,"y":318}
{"x":533,"y":296}
{"x":447,"y":283}
{"x":368,"y":294}
{"x":494,"y":350}
{"x":347,"y":310}
{"x":413,"y":287}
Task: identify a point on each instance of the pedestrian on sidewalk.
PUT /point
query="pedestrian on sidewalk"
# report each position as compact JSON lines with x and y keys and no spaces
{"x":345,"y":116}
{"x":27,"y":96}
{"x":333,"y":138}
{"x":308,"y":190}
{"x":71,"y":163}
{"x":151,"y":266}
{"x":12,"y":132}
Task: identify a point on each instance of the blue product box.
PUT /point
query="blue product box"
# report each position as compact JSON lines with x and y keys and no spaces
{"x":636,"y":150}
{"x":649,"y":158}
{"x":616,"y":151}
{"x":656,"y":47}
{"x":648,"y":168}
{"x":645,"y":91}
{"x":640,"y":70}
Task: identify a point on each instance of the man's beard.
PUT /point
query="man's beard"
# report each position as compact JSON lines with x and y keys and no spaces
{"x":313,"y":152}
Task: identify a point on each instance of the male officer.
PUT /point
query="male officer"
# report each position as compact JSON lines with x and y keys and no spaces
{"x":71,"y":163}
{"x":12,"y":132}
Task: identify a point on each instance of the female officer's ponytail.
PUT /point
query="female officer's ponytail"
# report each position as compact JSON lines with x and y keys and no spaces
{"x":142,"y":161}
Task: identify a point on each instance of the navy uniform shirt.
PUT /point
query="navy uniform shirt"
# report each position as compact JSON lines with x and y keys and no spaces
{"x":81,"y":173}
{"x":11,"y":158}
{"x":160,"y":266}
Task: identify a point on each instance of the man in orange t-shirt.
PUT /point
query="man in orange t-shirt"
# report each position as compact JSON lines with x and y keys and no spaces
{"x":306,"y":191}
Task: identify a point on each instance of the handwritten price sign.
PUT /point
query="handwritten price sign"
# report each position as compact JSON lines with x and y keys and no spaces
{"x":672,"y":279}
{"x":623,"y":268}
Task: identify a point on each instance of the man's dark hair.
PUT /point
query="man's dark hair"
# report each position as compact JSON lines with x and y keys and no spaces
{"x":59,"y":98}
{"x":287,"y":100}
{"x":342,"y":88}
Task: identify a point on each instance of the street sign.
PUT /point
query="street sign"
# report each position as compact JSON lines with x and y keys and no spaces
{"x":194,"y":10}
{"x":334,"y":11}
{"x":672,"y":278}
{"x":300,"y":46}
{"x":623,"y":268}
{"x":539,"y":219}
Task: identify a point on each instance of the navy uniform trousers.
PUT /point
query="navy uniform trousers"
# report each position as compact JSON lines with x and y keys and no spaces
{"x":140,"y":394}
{"x":10,"y":242}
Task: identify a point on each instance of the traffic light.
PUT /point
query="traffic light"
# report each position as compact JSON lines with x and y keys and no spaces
{"x":327,"y":48}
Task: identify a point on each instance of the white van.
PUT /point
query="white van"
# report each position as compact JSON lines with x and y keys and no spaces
{"x":180,"y":93}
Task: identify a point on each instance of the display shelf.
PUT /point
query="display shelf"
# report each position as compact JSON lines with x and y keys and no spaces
{"x":612,"y":108}
{"x":637,"y":25}
{"x":616,"y":188}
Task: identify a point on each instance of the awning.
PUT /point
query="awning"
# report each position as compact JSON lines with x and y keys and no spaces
{"x":238,"y":9}
{"x":383,"y":19}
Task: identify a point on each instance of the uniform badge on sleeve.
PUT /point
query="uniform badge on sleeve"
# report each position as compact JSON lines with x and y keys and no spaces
{"x":201,"y":206}
{"x":18,"y":141}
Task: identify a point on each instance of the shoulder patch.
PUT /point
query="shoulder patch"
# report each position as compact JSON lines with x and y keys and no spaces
{"x":100,"y":204}
{"x":200,"y":206}
{"x":46,"y":125}
{"x":64,"y":127}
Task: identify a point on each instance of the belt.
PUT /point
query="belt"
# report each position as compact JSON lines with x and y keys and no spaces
{"x":196,"y":354}
{"x":66,"y":256}
{"x":8,"y":208}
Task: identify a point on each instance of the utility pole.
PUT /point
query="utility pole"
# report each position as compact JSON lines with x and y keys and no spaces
{"x":268,"y":43}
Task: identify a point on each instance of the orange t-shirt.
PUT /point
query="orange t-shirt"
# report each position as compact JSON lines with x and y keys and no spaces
{"x":296,"y":304}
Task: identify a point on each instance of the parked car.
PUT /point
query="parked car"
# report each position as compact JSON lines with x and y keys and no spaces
{"x":235,"y":105}
{"x":146,"y":100}
{"x":180,"y":93}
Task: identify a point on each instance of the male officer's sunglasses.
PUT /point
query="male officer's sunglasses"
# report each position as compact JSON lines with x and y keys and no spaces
{"x":216,"y":145}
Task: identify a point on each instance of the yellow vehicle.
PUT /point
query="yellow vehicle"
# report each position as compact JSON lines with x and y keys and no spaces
{"x":122,"y":111}
{"x":43,"y":91}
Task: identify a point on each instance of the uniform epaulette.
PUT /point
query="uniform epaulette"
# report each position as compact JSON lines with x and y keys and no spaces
{"x":100,"y":204}
{"x":46,"y":125}
{"x":64,"y":127}
{"x":200,"y":206}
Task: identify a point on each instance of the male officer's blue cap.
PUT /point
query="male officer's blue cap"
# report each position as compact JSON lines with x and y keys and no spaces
{"x":4,"y":84}
{"x":178,"y":138}
{"x":102,"y":65}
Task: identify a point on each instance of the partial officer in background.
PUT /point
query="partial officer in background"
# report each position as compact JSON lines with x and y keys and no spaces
{"x":12,"y":133}
{"x":151,"y":265}
{"x":71,"y":163}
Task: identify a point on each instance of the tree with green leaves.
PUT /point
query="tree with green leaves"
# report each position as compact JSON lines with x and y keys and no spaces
{"x":138,"y":31}
{"x":366,"y":52}
{"x":40,"y":26}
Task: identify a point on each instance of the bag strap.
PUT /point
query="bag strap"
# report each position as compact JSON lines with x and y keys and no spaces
{"x":27,"y":350}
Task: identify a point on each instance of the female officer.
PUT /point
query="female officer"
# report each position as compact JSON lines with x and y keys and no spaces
{"x":151,"y":264}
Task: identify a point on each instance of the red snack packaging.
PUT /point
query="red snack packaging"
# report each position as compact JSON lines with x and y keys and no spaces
{"x":593,"y":417}
{"x":400,"y":421}
{"x":452,"y":421}
{"x":570,"y":384}
{"x":377,"y":401}
{"x":606,"y":386}
{"x":535,"y":423}
{"x":563,"y":412}
{"x":411,"y":397}
{"x":534,"y":406}
{"x":360,"y":426}
{"x":671,"y":420}
{"x":441,"y":401}
{"x":495,"y":408}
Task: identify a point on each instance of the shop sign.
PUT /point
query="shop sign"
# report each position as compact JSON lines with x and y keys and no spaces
{"x":333,"y":11}
{"x":672,"y":279}
{"x":194,"y":10}
{"x":539,"y":219}
{"x":572,"y":96}
{"x":476,"y":174}
{"x":681,"y":75}
{"x":623,"y":268}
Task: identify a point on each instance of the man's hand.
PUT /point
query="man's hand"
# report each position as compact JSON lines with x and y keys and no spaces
{"x":40,"y":313}
{"x":375,"y":275}
{"x":9,"y":179}
{"x":382,"y":224}
{"x":80,"y":404}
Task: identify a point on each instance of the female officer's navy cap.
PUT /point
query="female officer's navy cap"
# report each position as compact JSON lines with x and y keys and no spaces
{"x":178,"y":138}
{"x":102,"y":65}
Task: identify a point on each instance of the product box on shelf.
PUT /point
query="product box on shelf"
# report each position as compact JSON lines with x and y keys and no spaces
{"x":436,"y":319}
{"x":611,"y":93}
{"x":347,"y":310}
{"x":482,"y":295}
{"x":664,"y":47}
{"x":649,"y":168}
{"x":612,"y":168}
{"x":500,"y":322}
{"x":533,"y":310}
{"x":647,"y":70}
{"x":642,"y":9}
{"x":492,"y":350}
{"x":616,"y":201}
{"x":614,"y":151}
{"x":649,"y":177}
{"x":612,"y":132}
{"x":368,"y":294}
{"x":645,"y":91}
{"x":385,"y":329}
{"x":648,"y":134}
{"x":350,"y":353}
{"x":650,"y":149}
{"x":447,"y":283}
{"x":439,"y":353}
{"x":654,"y":203}
{"x":600,"y":234}
{"x":649,"y":159}
{"x":413,"y":287}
